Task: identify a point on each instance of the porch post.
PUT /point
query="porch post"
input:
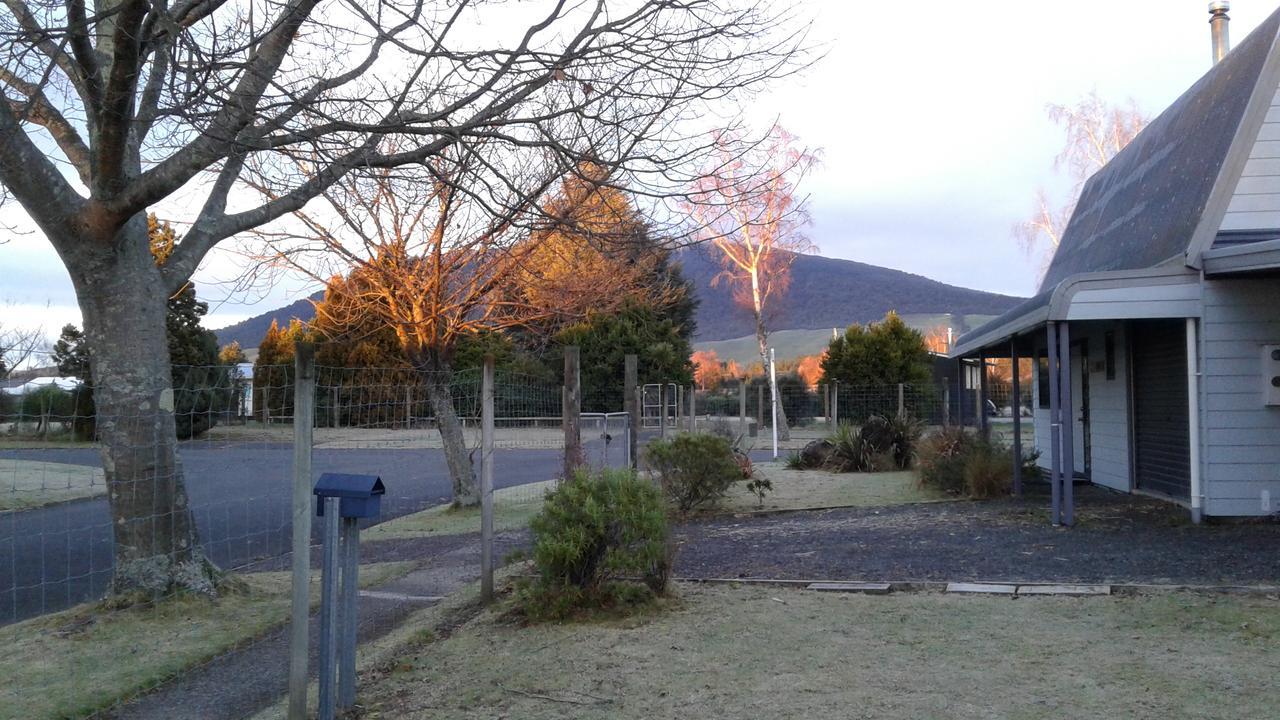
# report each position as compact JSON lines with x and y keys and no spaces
{"x":1055,"y":426}
{"x":1016,"y":407}
{"x":984,"y":422}
{"x":1193,"y":421}
{"x":1068,"y":424}
{"x":960,"y":392}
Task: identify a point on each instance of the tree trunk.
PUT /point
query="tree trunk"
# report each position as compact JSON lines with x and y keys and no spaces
{"x":762,"y":339}
{"x":784,"y":432}
{"x":123,"y":301}
{"x":436,"y":377}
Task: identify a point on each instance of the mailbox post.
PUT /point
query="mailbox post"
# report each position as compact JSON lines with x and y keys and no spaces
{"x":342,"y":500}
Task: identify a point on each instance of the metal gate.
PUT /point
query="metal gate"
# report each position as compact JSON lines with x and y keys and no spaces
{"x":659,"y":402}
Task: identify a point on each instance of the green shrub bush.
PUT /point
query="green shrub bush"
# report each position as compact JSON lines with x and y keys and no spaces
{"x":881,"y":444}
{"x":597,"y":533}
{"x":959,"y":462}
{"x":849,"y":453}
{"x":895,"y":436}
{"x":693,"y":468}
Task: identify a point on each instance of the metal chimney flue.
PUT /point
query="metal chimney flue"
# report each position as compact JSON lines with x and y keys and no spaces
{"x":1218,"y":28}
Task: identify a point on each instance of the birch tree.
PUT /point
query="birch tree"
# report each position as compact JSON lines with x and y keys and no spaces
{"x":748,"y":208}
{"x":1095,"y":132}
{"x":114,"y":107}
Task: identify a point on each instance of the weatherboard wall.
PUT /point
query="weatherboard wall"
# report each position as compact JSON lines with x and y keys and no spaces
{"x":1241,"y":434}
{"x":1255,"y":203}
{"x":1108,"y":407}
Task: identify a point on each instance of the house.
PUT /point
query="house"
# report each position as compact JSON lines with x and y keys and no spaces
{"x":1155,"y":335}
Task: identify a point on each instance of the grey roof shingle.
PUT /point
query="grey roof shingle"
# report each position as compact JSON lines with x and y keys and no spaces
{"x":1142,"y":208}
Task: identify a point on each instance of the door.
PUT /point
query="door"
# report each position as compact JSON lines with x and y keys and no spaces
{"x":1161,"y":424}
{"x":1080,"y":408}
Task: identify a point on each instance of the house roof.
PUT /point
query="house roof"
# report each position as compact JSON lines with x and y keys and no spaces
{"x":1144,"y":208}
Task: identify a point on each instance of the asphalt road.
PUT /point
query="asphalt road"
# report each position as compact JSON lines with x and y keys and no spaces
{"x":54,"y":557}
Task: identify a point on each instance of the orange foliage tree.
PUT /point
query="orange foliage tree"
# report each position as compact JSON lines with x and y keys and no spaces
{"x":936,"y":340}
{"x":708,"y":372}
{"x":809,"y":368}
{"x":442,"y":253}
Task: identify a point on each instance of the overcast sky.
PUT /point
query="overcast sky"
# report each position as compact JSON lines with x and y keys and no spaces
{"x":931,"y":120}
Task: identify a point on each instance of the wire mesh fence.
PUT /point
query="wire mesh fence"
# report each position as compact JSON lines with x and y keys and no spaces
{"x":805,"y":413}
{"x":231,"y":456}
{"x":232,"y":442}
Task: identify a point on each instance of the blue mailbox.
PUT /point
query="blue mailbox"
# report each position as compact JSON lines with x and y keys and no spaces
{"x":360,"y":495}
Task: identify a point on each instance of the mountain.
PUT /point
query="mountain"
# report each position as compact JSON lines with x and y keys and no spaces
{"x":829,"y":293}
{"x":825,"y":293}
{"x":250,"y":332}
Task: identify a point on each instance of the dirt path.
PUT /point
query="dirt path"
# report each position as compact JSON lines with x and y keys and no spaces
{"x":242,"y":682}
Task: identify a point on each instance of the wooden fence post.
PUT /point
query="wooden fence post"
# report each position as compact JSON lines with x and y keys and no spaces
{"x":486,"y":482}
{"x":760,"y":408}
{"x":662,"y":410}
{"x":631,"y":403}
{"x":304,"y":395}
{"x":742,"y":408}
{"x":571,"y":416}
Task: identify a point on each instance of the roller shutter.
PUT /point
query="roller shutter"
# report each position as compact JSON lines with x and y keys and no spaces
{"x":1162,"y":451}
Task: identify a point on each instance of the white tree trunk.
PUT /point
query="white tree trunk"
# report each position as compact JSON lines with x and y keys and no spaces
{"x":762,"y":340}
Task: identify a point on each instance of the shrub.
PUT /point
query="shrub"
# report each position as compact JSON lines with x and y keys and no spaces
{"x":693,"y":468}
{"x":941,"y":460}
{"x":760,"y":487}
{"x":795,"y":461}
{"x":849,"y":453}
{"x":958,"y":462}
{"x":596,"y":532}
{"x":988,"y":470}
{"x":721,"y":427}
{"x":895,"y":436}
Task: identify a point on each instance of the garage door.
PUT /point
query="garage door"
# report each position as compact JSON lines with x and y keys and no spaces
{"x":1162,"y":450}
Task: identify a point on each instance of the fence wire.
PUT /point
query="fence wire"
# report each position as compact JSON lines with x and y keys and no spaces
{"x":233,"y":438}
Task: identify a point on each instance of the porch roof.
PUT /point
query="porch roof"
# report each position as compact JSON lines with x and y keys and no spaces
{"x":1169,"y":290}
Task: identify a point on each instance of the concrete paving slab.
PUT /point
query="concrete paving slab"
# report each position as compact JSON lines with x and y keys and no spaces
{"x":866,"y":588}
{"x":1064,"y":589}
{"x":982,"y":588}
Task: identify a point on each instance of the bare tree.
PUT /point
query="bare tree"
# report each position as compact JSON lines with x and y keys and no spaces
{"x":18,"y":345}
{"x":748,"y":208}
{"x":422,"y":251}
{"x":110,"y":110}
{"x":1095,"y":132}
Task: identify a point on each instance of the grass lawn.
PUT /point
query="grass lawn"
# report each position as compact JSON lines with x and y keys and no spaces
{"x":27,"y":484}
{"x":752,"y":651}
{"x":513,"y":508}
{"x":71,"y":663}
{"x":809,"y":489}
